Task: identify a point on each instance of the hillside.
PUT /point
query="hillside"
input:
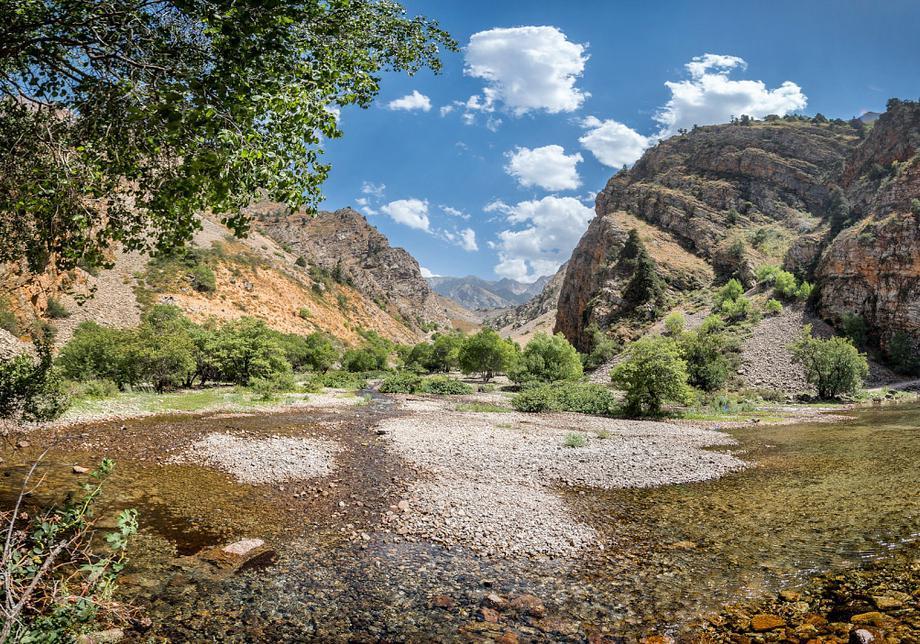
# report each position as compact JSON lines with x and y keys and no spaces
{"x":721,"y":200}
{"x":536,"y":315}
{"x":478,"y":294}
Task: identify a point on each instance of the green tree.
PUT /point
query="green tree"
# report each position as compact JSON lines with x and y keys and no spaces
{"x":838,"y":208}
{"x":707,"y":353}
{"x":834,"y":366}
{"x":246,"y":349}
{"x":30,"y":387}
{"x":98,"y":352}
{"x":445,"y":352}
{"x":651,"y":373}
{"x":124,"y":119}
{"x":322,"y":352}
{"x":602,"y":347}
{"x":547,"y":358}
{"x":487,"y":353}
{"x":163,"y":350}
{"x":904,"y":354}
{"x":645,"y":288}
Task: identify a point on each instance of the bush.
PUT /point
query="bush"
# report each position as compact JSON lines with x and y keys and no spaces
{"x":366,"y":358}
{"x":202,"y":278}
{"x":854,"y":327}
{"x":267,"y":388}
{"x":56,"y":309}
{"x":583,"y":398}
{"x":486,"y":353}
{"x":773,"y":307}
{"x":574,"y":439}
{"x":304,"y":313}
{"x":8,"y":321}
{"x":403,"y":382}
{"x":834,"y":366}
{"x":444,"y":386}
{"x":652,"y":373}
{"x":737,"y":310}
{"x":92,"y":389}
{"x":731,"y":291}
{"x":706,"y":352}
{"x":766,"y":274}
{"x":162,"y":349}
{"x":343,"y":380}
{"x":301,"y":261}
{"x":645,"y":288}
{"x":903,"y":356}
{"x":603,"y":348}
{"x":99,"y":353}
{"x":547,"y":358}
{"x":31,"y":389}
{"x":246,"y":349}
{"x":674,"y":323}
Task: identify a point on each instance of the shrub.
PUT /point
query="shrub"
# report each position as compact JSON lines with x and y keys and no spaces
{"x":803,"y":292}
{"x":366,"y":358}
{"x":56,"y":309}
{"x":32,"y":389}
{"x":652,"y":373}
{"x":8,"y":321}
{"x":343,"y":380}
{"x":535,"y":400}
{"x":486,"y":353}
{"x":97,"y":352}
{"x":304,"y":313}
{"x":773,"y":307}
{"x":603,"y":348}
{"x":903,"y":356}
{"x":737,"y":310}
{"x":674,"y":323}
{"x":300,"y":261}
{"x":403,"y":382}
{"x":732,"y":290}
{"x":266,"y":388}
{"x":854,"y":327}
{"x":706,"y":352}
{"x":202,"y":278}
{"x":246,"y":349}
{"x":547,"y":358}
{"x":162,"y":349}
{"x":645,"y":288}
{"x":444,"y":386}
{"x":92,"y":389}
{"x":321,"y":351}
{"x":834,"y":366}
{"x":915,"y":207}
{"x":583,"y":398}
{"x":766,"y":274}
{"x":574,"y":439}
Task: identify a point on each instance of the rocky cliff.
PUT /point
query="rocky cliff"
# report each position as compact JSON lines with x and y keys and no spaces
{"x":732,"y":197}
{"x":535,"y":315}
{"x":478,"y":294}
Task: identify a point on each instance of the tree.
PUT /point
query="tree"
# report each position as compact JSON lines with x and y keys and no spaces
{"x":646,"y":286}
{"x":163,"y":350}
{"x":602,"y":347}
{"x":98,"y":352}
{"x":547,"y":358}
{"x":30,"y":388}
{"x":838,"y":208}
{"x":834,"y":366}
{"x":321,"y":352}
{"x":121,"y":120}
{"x":651,"y":373}
{"x":445,"y":352}
{"x":246,"y":349}
{"x":486,"y":353}
{"x":707,"y":352}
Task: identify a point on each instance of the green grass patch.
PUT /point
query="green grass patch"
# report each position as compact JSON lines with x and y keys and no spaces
{"x":483,"y":407}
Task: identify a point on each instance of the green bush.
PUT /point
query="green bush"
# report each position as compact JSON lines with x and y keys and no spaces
{"x":246,"y":349}
{"x":834,"y":366}
{"x":603,"y":348}
{"x":674,"y":323}
{"x":651,"y":373}
{"x":202,"y":278}
{"x":536,"y":400}
{"x":56,"y":309}
{"x":547,"y":358}
{"x":486,"y":353}
{"x":301,"y":261}
{"x":162,"y":349}
{"x":343,"y":380}
{"x":97,"y":389}
{"x":304,"y":313}
{"x":30,"y":388}
{"x":903,"y":355}
{"x":444,"y":386}
{"x":97,"y":352}
{"x":854,"y":327}
{"x":316,"y":352}
{"x":267,"y":388}
{"x":8,"y":321}
{"x":574,"y":439}
{"x":732,"y":290}
{"x":403,"y":382}
{"x":583,"y":398}
{"x":766,"y":274}
{"x":737,"y":310}
{"x":365,"y":358}
{"x":707,"y":353}
{"x":773,"y":307}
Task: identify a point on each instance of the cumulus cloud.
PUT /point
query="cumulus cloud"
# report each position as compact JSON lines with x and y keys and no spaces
{"x":548,"y":167}
{"x":426,"y":272}
{"x":411,"y":102}
{"x":709,"y":96}
{"x":365,"y":205}
{"x":409,"y":212}
{"x":525,"y":69}
{"x":454,"y":212}
{"x":468,"y":240}
{"x":373,"y":189}
{"x":613,"y":143}
{"x":541,"y":235}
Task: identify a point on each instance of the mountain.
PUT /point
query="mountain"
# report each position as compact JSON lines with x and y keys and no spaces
{"x":535,"y":315}
{"x":479,"y":294}
{"x":721,"y":200}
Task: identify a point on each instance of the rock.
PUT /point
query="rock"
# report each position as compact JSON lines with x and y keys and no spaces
{"x":861,"y":636}
{"x":442,"y":601}
{"x":657,"y":639}
{"x":887,"y":603}
{"x":764,"y":622}
{"x":494,"y":600}
{"x":489,"y":615}
{"x":528,"y":604}
{"x":873,"y":618}
{"x":508,"y":637}
{"x":242,"y":547}
{"x":789,"y":595}
{"x":682,"y":545}
{"x":23,"y":444}
{"x":403,"y":506}
{"x":79,"y":469}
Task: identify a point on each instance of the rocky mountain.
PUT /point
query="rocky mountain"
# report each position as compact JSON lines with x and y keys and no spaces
{"x":478,"y":294}
{"x":535,"y":315}
{"x":723,"y":199}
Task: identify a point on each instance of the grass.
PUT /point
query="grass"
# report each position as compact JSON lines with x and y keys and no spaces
{"x":574,"y":439}
{"x":483,"y":407}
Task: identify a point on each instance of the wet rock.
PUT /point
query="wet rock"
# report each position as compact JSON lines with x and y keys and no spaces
{"x":885,"y":603}
{"x":761,"y":623}
{"x":442,"y":601}
{"x":79,"y":469}
{"x":873,"y":618}
{"x":861,"y":636}
{"x":243,"y":546}
{"x":528,"y":604}
{"x":790,"y":595}
{"x":490,"y":615}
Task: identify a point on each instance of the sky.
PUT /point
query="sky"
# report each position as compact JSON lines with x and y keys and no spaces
{"x":491,"y":167}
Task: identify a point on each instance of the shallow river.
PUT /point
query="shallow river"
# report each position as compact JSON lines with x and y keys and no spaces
{"x":820,"y":497}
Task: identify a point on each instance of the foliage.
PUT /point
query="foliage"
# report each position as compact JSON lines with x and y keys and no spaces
{"x":773,"y":307}
{"x":444,"y":386}
{"x":316,"y":352}
{"x":56,"y":309}
{"x":267,"y":388}
{"x":483,"y":408}
{"x":904,"y":357}
{"x":838,"y":209}
{"x":442,"y":354}
{"x":402,"y":382}
{"x":651,"y":373}
{"x":707,"y":353}
{"x":786,"y":287}
{"x":57,"y":580}
{"x":304,"y":313}
{"x":645,"y":288}
{"x":731,"y":302}
{"x":729,"y":292}
{"x":487,"y":353}
{"x":603,"y":348}
{"x":854,"y":327}
{"x":579,"y":397}
{"x":674,"y":323}
{"x":202,"y":278}
{"x":547,"y":358}
{"x":97,"y":352}
{"x":366,"y":358}
{"x":8,"y":321}
{"x":31,"y":389}
{"x":125,"y":119}
{"x":92,"y":389}
{"x":343,"y":380}
{"x":245,"y":349}
{"x":574,"y":439}
{"x":834,"y":366}
{"x":162,"y":351}
{"x":766,"y":274}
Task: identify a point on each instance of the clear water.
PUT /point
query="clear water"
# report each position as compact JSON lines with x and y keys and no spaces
{"x":821,"y":497}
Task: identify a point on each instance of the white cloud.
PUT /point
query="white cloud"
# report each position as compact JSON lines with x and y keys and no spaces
{"x":409,"y":212}
{"x":548,"y":167}
{"x":373,"y":189}
{"x":425,"y":272}
{"x":366,"y":206}
{"x":709,"y":96}
{"x":468,"y":240}
{"x":454,"y":212}
{"x":525,"y":69}
{"x":613,"y":143}
{"x":446,"y":109}
{"x":411,"y":102}
{"x":546,"y":232}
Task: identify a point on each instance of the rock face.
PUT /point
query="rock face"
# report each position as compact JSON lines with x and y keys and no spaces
{"x":544,"y":302}
{"x":344,"y":244}
{"x":736,"y":196}
{"x":478,"y":294}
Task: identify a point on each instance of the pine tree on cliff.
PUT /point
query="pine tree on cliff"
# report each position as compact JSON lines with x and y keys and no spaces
{"x":646,"y":287}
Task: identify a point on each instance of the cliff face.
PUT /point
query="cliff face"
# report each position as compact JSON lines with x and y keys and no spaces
{"x":732,"y":197}
{"x":872,"y":269}
{"x":345,"y":244}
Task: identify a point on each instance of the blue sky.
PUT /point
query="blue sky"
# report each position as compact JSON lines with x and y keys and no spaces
{"x":490,"y":168}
